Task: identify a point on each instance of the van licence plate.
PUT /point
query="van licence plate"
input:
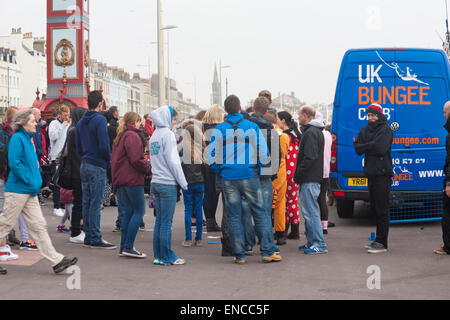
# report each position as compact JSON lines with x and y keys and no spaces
{"x":358,"y":182}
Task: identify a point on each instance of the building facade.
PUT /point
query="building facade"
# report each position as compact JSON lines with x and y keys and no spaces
{"x":10,"y":80}
{"x":31,"y":61}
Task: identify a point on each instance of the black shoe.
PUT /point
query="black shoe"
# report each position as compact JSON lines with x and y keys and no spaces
{"x":295,"y":233}
{"x":331,"y":225}
{"x":3,"y":271}
{"x":377,"y":248}
{"x":64,"y":264}
{"x":227,"y":251}
{"x":103,"y":245}
{"x":11,"y":239}
{"x":281,"y":240}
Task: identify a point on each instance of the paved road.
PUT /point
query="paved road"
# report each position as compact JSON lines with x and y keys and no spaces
{"x":409,"y":271}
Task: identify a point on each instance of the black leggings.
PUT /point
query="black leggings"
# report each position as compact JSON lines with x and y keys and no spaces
{"x":323,"y":200}
{"x":379,"y":191}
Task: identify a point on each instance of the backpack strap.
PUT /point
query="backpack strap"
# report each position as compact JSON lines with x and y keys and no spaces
{"x":235,"y":127}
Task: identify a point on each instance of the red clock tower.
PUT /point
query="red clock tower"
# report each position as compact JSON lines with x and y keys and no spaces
{"x":67,"y":55}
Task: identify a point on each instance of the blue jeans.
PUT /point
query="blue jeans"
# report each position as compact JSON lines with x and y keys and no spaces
{"x":132,"y":204}
{"x":120,"y":215}
{"x":23,"y":229}
{"x":165,"y":203}
{"x":309,"y":193}
{"x":93,"y":183}
{"x":193,"y":198}
{"x":233,"y":192}
{"x":249,"y":229}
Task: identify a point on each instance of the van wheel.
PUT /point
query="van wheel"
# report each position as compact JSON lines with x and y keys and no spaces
{"x":345,"y":208}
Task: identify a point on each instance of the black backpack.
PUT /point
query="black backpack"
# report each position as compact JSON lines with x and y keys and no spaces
{"x":4,"y":143}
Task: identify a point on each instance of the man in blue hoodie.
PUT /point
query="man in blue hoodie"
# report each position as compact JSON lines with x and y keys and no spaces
{"x":237,"y":153}
{"x":92,"y":143}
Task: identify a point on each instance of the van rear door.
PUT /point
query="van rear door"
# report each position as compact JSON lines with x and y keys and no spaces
{"x":364,"y":80}
{"x":422,"y":88}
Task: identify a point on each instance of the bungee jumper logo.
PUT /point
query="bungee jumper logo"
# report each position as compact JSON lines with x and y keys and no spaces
{"x":405,"y":76}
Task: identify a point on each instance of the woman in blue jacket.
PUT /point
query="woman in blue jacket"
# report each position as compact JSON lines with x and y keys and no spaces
{"x":22,"y":188}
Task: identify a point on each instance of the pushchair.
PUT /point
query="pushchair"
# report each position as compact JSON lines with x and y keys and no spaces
{"x":47,"y":178}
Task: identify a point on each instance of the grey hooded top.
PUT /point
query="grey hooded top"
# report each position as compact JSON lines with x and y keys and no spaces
{"x":165,"y":161}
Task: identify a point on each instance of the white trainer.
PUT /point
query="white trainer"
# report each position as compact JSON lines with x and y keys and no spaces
{"x":6,"y":254}
{"x":79,"y":239}
{"x":57,"y":213}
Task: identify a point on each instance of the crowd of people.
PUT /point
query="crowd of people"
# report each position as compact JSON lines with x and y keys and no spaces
{"x":267,"y":168}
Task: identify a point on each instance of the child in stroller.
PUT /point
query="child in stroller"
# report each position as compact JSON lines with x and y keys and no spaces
{"x":46,"y":172}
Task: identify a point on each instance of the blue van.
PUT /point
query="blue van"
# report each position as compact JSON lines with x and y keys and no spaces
{"x":412,"y":86}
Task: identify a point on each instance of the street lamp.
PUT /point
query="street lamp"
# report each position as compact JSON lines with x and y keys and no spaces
{"x":195,"y":89}
{"x":224,"y":67}
{"x":149,"y":81}
{"x":168,"y":61}
{"x":160,"y":28}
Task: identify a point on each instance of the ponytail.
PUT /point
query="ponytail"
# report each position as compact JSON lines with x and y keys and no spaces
{"x":130,"y":118}
{"x":287,"y":117}
{"x":294,"y":127}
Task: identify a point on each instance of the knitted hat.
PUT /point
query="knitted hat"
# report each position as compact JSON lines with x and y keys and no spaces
{"x":375,"y":109}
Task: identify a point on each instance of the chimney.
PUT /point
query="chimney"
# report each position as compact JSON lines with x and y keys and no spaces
{"x":39,"y":45}
{"x":16,"y":31}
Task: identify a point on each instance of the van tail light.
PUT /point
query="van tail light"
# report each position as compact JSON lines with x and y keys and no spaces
{"x":333,"y":164}
{"x":339,"y":194}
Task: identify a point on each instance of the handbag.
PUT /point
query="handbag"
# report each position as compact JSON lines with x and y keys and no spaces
{"x":151,"y":201}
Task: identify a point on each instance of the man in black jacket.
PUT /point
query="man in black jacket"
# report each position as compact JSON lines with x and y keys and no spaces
{"x":309,"y":175}
{"x":74,"y":161}
{"x":446,"y":214}
{"x":375,"y":142}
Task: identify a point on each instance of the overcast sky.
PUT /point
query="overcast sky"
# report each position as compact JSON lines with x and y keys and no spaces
{"x":279,"y":45}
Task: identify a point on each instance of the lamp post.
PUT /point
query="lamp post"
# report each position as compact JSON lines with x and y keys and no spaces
{"x":221,"y":68}
{"x":168,"y":61}
{"x":195,"y":88}
{"x":8,"y":57}
{"x":160,"y":55}
{"x":149,"y":81}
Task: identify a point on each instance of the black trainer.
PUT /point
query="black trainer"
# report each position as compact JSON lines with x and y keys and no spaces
{"x":3,"y":271}
{"x":377,"y":248}
{"x":103,"y":245}
{"x":133,"y":253}
{"x":64,"y":264}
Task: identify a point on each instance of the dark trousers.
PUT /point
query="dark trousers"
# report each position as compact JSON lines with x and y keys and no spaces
{"x":379,"y":191}
{"x":55,"y":190}
{"x":226,"y":245}
{"x":211,"y":199}
{"x":446,"y":224}
{"x":77,"y":210}
{"x":323,"y":200}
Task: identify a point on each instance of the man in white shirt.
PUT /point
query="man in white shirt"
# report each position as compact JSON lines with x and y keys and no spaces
{"x":57,"y":132}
